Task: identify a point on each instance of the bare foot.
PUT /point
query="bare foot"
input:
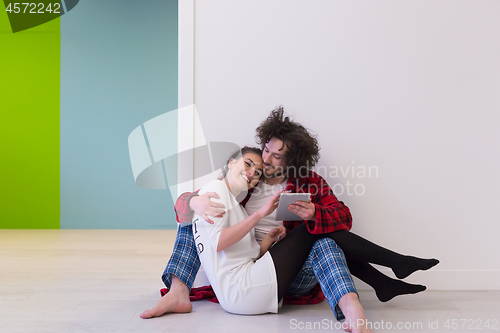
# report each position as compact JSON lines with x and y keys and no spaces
{"x":356,"y":326}
{"x":355,"y":319}
{"x":175,"y":301}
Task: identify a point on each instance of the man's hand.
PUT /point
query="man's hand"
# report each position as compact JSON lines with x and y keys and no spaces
{"x":203,"y":206}
{"x":304,"y":209}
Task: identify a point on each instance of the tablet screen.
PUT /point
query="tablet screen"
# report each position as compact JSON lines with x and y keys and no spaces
{"x":282,"y":213}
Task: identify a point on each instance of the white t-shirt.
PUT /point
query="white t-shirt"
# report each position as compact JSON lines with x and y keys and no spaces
{"x":261,"y":194}
{"x":243,"y":285}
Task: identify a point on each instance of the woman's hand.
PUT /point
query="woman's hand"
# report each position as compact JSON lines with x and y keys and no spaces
{"x":203,"y":206}
{"x":271,"y":204}
{"x":277,"y":234}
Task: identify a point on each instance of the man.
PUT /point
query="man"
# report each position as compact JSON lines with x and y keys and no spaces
{"x":288,"y":153}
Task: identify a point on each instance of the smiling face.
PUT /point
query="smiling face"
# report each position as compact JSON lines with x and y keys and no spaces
{"x":273,"y":156}
{"x":244,"y":173}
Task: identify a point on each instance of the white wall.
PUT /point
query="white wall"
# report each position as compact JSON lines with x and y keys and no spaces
{"x":411,"y":87}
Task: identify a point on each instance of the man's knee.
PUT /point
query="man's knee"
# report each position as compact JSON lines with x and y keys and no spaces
{"x":327,"y":244}
{"x":327,"y":249}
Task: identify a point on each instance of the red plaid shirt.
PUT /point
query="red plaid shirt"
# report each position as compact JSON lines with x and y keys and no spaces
{"x":315,"y":296}
{"x":331,"y":214}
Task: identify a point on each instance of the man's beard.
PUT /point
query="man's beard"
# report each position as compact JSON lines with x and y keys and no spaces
{"x":278,"y":172}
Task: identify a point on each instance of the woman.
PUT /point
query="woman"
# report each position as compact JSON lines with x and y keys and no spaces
{"x":228,"y":250}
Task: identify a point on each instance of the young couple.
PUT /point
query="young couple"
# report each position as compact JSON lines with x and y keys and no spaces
{"x":250,"y":277}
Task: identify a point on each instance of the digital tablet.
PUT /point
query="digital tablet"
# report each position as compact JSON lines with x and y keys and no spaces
{"x":282,"y":212}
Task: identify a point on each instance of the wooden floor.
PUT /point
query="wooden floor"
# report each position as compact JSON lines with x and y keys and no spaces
{"x":100,"y":280}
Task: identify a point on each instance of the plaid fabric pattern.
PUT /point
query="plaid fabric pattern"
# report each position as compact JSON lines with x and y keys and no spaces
{"x":197,"y":294}
{"x":331,"y":214}
{"x":206,"y":292}
{"x":326,"y":263}
{"x":184,"y":261}
{"x":183,"y":212}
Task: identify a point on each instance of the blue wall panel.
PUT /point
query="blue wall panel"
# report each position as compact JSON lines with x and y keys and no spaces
{"x":118,"y":70}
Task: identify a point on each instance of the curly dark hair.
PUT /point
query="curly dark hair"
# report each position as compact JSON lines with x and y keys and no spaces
{"x":237,"y":155}
{"x":303,"y":148}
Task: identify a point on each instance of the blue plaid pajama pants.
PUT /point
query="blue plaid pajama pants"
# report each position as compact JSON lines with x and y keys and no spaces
{"x":325,"y":264}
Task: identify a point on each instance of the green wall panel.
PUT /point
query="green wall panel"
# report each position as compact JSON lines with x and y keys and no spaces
{"x":29,"y":125}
